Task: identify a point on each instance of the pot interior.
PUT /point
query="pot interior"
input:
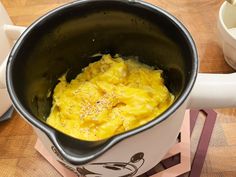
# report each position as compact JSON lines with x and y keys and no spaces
{"x":64,"y":41}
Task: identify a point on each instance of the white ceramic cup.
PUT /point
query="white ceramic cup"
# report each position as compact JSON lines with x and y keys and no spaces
{"x":8,"y":34}
{"x":227,"y":32}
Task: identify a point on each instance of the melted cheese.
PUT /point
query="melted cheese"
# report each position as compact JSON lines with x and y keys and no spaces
{"x":110,"y":96}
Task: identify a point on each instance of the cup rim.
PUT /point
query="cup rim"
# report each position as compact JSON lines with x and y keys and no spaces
{"x":223,"y":27}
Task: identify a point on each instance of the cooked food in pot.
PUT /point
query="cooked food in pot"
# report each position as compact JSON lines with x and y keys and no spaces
{"x":110,"y":96}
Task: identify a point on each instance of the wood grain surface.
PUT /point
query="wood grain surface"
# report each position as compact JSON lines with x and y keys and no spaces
{"x":18,"y":157}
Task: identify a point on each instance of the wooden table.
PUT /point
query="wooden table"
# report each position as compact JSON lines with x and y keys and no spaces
{"x":18,"y":157}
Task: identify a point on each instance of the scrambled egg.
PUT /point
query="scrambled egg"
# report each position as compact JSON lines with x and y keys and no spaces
{"x":109,"y":97}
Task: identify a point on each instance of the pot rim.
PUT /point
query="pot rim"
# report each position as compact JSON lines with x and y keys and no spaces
{"x":51,"y":132}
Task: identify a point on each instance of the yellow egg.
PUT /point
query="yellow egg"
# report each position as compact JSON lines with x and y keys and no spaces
{"x":109,"y":97}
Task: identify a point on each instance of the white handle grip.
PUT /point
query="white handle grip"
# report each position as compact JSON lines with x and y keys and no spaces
{"x":3,"y":74}
{"x":12,"y":32}
{"x":214,"y":91}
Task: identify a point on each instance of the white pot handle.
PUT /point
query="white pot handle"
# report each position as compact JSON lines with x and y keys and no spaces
{"x":12,"y":32}
{"x":214,"y":91}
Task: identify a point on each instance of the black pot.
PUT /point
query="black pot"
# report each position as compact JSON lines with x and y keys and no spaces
{"x":66,"y":38}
